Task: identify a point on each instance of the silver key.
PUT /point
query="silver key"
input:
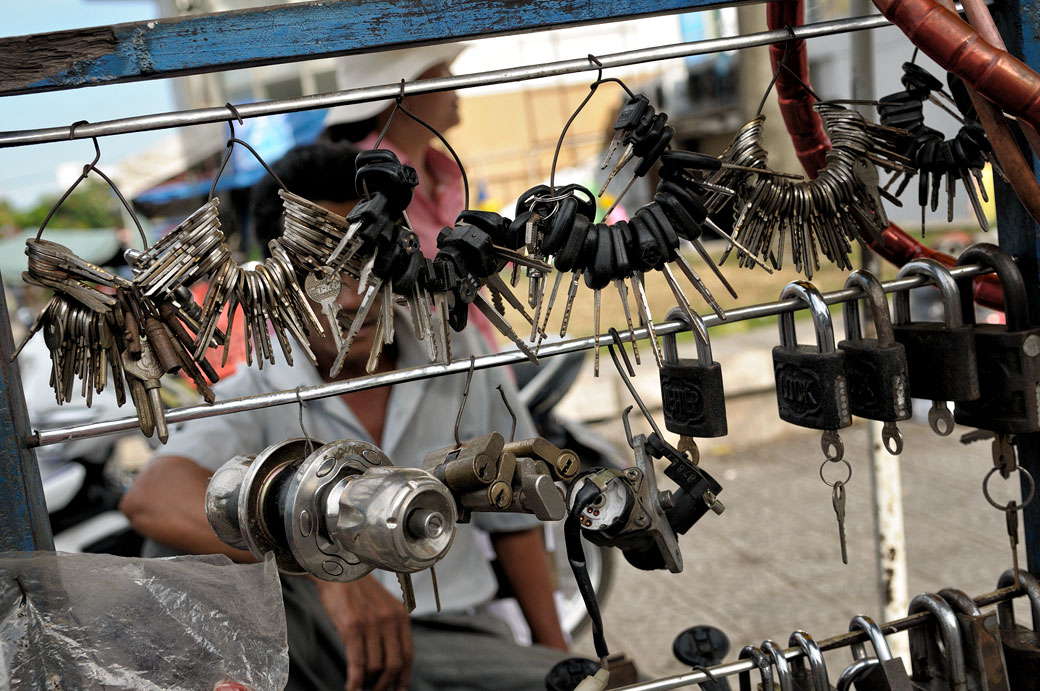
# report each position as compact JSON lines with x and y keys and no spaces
{"x":619,"y":283}
{"x":147,"y":371}
{"x":324,"y":288}
{"x":572,"y":292}
{"x":407,"y":591}
{"x":643,"y":307}
{"x":838,"y":501}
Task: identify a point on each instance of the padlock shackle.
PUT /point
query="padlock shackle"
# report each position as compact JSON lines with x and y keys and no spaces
{"x":1031,"y":585}
{"x":1016,"y":308}
{"x":876,"y":636}
{"x":874,"y":293}
{"x":802,"y":639}
{"x":671,"y":353}
{"x":942,"y":279}
{"x":813,"y":299}
{"x":960,"y":601}
{"x":783,"y":667}
{"x":949,"y":630}
{"x":764,"y":669}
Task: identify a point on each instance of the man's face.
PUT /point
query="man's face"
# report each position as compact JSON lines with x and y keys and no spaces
{"x":349,"y":301}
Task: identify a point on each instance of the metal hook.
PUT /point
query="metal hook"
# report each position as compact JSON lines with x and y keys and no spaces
{"x":613,"y":332}
{"x":628,"y":382}
{"x":776,"y":73}
{"x":505,"y":402}
{"x":628,"y":427}
{"x":306,"y":435}
{"x":393,"y":113}
{"x":465,"y":396}
{"x":92,"y":166}
{"x":599,"y":72}
{"x":458,"y":161}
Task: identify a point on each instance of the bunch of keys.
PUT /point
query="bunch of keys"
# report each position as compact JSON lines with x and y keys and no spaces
{"x":961,"y":158}
{"x":820,"y":216}
{"x":470,"y":255}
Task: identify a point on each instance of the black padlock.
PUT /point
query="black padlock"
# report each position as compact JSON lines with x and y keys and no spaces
{"x":1021,"y":645}
{"x":876,"y":367}
{"x":940,"y":356}
{"x":811,"y":386}
{"x":889,"y":674}
{"x":692,"y":396}
{"x":814,"y":676}
{"x":1008,"y":354}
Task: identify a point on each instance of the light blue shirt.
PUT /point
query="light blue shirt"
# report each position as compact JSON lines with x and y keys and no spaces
{"x":420,"y":418}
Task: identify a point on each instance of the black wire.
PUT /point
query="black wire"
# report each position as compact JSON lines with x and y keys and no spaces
{"x":913,"y":58}
{"x":458,"y":161}
{"x":804,"y":85}
{"x":776,"y":74}
{"x":576,"y":557}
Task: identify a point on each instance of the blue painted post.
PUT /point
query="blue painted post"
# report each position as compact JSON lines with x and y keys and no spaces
{"x":24,"y":524}
{"x":301,"y":31}
{"x":1017,"y":22}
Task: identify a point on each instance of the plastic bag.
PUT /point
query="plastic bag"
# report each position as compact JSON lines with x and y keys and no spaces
{"x":95,"y":621}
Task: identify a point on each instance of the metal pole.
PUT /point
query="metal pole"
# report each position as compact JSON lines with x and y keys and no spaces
{"x":159,"y":121}
{"x":267,"y":400}
{"x":1018,"y":235}
{"x":24,"y":524}
{"x":886,"y":483}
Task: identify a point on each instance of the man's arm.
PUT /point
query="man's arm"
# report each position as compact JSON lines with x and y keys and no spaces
{"x":167,"y":503}
{"x":525,"y":563}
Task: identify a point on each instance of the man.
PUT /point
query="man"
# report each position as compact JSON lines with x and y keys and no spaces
{"x":357,"y":635}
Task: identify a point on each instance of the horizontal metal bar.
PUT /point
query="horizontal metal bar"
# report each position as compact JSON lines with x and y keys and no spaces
{"x":177,"y":46}
{"x":840,"y":641}
{"x":200,"y":116}
{"x":267,"y":400}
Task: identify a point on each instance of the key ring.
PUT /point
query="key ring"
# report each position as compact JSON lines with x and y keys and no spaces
{"x":847,"y":477}
{"x":1005,"y":507}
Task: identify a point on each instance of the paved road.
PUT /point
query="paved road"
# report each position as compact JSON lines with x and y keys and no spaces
{"x":770,"y":564}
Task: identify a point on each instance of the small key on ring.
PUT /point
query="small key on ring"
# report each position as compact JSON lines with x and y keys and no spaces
{"x":838,"y":501}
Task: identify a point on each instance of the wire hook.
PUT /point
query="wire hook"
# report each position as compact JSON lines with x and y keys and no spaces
{"x":306,"y":435}
{"x":92,"y":166}
{"x":592,"y":89}
{"x":397,"y":105}
{"x":232,"y":140}
{"x":465,"y":397}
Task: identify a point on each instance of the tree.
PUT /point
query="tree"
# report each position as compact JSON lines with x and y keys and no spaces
{"x":91,"y":205}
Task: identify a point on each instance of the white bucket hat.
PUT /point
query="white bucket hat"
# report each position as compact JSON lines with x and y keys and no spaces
{"x":386,"y":67}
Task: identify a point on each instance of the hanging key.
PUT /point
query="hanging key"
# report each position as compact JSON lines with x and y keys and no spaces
{"x":147,"y":371}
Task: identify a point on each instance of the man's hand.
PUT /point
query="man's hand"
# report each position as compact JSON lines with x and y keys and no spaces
{"x":376,"y":631}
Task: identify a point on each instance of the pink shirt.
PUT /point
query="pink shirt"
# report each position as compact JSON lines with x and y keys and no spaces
{"x":429,"y":213}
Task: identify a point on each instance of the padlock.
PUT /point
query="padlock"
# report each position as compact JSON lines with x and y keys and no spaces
{"x":940,"y":356}
{"x":764,"y":669}
{"x":876,"y":367}
{"x":936,"y":669}
{"x":811,"y":677}
{"x":980,"y":639}
{"x":1008,"y":354}
{"x":692,"y":396}
{"x":783,"y":667}
{"x":888,"y":674}
{"x":855,"y":671}
{"x":811,"y":386}
{"x":1021,"y":645}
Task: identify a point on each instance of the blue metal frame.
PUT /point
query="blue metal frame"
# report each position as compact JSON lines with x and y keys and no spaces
{"x":1018,"y":22}
{"x":285,"y":33}
{"x":24,"y":524}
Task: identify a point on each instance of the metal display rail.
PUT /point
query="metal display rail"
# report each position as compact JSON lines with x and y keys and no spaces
{"x":507,"y":357}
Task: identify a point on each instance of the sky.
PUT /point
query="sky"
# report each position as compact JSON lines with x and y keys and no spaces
{"x":30,"y":171}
